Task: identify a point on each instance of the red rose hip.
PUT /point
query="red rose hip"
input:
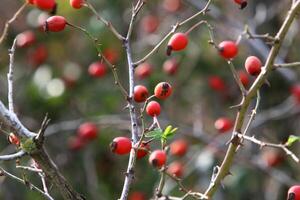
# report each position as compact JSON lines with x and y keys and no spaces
{"x":143,"y":151}
{"x":216,"y":83}
{"x":121,"y":145}
{"x":223,"y":124}
{"x":179,"y":147}
{"x":294,"y":193}
{"x":55,"y":24}
{"x":170,"y":66}
{"x":97,"y":69}
{"x":244,"y":78}
{"x":25,"y":39}
{"x":177,"y":42}
{"x":87,"y":131}
{"x":158,"y":158}
{"x":13,"y":139}
{"x":228,"y":49}
{"x":253,"y":65}
{"x":176,"y":168}
{"x":162,"y":90}
{"x":242,"y":3}
{"x":77,"y":4}
{"x":140,"y":93}
{"x":153,"y":108}
{"x":143,"y":70}
{"x":44,"y":4}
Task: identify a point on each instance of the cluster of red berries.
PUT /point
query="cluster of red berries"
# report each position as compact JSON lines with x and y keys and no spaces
{"x":86,"y":132}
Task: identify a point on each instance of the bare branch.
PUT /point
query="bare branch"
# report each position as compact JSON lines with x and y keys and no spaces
{"x":31,"y":169}
{"x":14,"y":156}
{"x":10,"y":73}
{"x":285,"y":65}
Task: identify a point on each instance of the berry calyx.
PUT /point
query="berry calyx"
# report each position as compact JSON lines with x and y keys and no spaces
{"x":153,"y":108}
{"x":223,"y":124}
{"x":228,"y":49}
{"x":242,"y":3}
{"x":77,"y":4}
{"x":44,"y":4}
{"x":162,"y":90}
{"x":294,"y":193}
{"x":170,"y":66}
{"x":143,"y":70}
{"x":176,"y":169}
{"x":253,"y":65}
{"x":177,"y":42}
{"x":25,"y":39}
{"x":121,"y":145}
{"x":179,"y":147}
{"x":158,"y":158}
{"x":13,"y":139}
{"x":140,"y":93}
{"x":244,"y":78}
{"x":216,"y":83}
{"x":97,"y":69}
{"x":87,"y":131}
{"x":55,"y":24}
{"x":143,"y":150}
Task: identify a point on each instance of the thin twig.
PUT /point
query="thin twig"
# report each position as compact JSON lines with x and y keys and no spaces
{"x":31,"y":169}
{"x":10,"y":74}
{"x":285,"y":65}
{"x":7,"y":24}
{"x":236,"y":78}
{"x":14,"y":156}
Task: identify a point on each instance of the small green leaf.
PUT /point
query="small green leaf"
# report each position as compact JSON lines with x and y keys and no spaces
{"x":167,"y":130}
{"x":292,"y":139}
{"x":156,"y":133}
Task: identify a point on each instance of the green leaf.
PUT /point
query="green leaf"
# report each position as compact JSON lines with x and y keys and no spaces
{"x":169,"y":131}
{"x":156,"y":133}
{"x":292,"y":139}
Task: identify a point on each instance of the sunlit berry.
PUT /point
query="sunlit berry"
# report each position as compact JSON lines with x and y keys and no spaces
{"x":253,"y":65}
{"x":177,"y":42}
{"x":97,"y":69}
{"x":121,"y":145}
{"x":179,"y":147}
{"x":158,"y":158}
{"x":55,"y":24}
{"x":162,"y":90}
{"x":223,"y":124}
{"x":140,"y":93}
{"x":153,"y":108}
{"x":228,"y":49}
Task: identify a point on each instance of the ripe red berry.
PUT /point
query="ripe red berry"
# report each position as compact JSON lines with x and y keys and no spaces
{"x":223,"y":124}
{"x":45,"y":4}
{"x":162,"y":90}
{"x":137,"y":196}
{"x":25,"y":39}
{"x":76,"y":143}
{"x":170,"y":66}
{"x":295,"y":91}
{"x":179,"y":147}
{"x":176,"y":168}
{"x":172,"y":5}
{"x":216,"y":83}
{"x":158,"y":158}
{"x":140,"y":93}
{"x":228,"y":49}
{"x":38,"y":55}
{"x":149,"y":23}
{"x":145,"y":147}
{"x":97,"y":69}
{"x":294,"y":193}
{"x":253,"y":65}
{"x":177,"y":42}
{"x":55,"y":24}
{"x":244,"y":78}
{"x":143,"y":70}
{"x":242,"y":3}
{"x":153,"y":108}
{"x":30,"y":1}
{"x":111,"y":54}
{"x":273,"y":158}
{"x":13,"y":139}
{"x":77,"y":4}
{"x":121,"y":145}
{"x":87,"y":131}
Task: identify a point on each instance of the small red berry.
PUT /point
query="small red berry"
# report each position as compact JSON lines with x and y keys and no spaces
{"x":179,"y":147}
{"x":150,"y":23}
{"x":30,"y":1}
{"x":112,"y":55}
{"x":87,"y":131}
{"x":172,"y":5}
{"x":176,"y":168}
{"x":244,"y":78}
{"x":77,"y":4}
{"x":55,"y":24}
{"x":97,"y":69}
{"x":121,"y":145}
{"x":140,"y":93}
{"x":177,"y":42}
{"x":162,"y":90}
{"x":143,"y":70}
{"x":137,"y":196}
{"x":242,"y":3}
{"x":38,"y":55}
{"x":295,"y":91}
{"x":223,"y":124}
{"x":294,"y":193}
{"x":273,"y":158}
{"x":253,"y":65}
{"x":216,"y":83}
{"x":13,"y":139}
{"x":228,"y":49}
{"x":170,"y":66}
{"x":158,"y":158}
{"x":76,"y":143}
{"x":25,"y":39}
{"x":45,"y":4}
{"x":145,"y":147}
{"x":153,"y":108}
